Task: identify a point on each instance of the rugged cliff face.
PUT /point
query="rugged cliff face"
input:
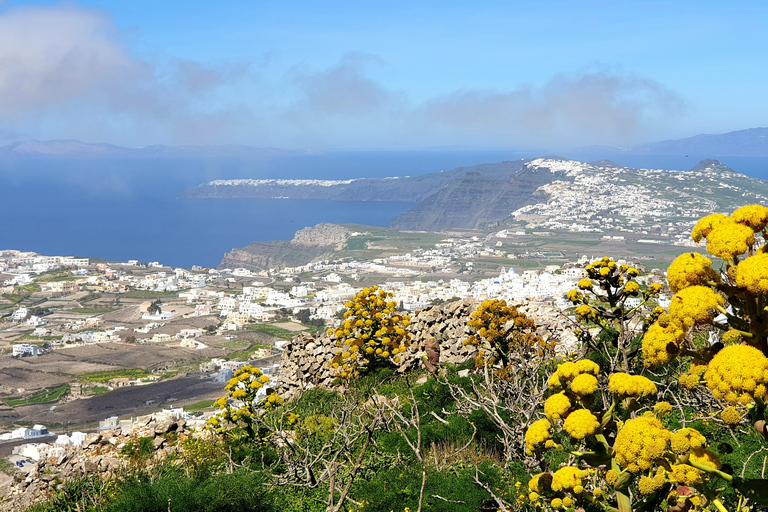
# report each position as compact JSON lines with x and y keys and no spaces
{"x":474,"y":201}
{"x":308,"y":244}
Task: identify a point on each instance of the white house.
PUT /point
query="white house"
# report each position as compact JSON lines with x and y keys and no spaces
{"x":26,"y":349}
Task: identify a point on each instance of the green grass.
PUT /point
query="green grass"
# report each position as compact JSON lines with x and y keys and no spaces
{"x":147,"y":294}
{"x":90,"y":311}
{"x":98,"y":390}
{"x":52,"y":279}
{"x":45,"y":396}
{"x":199,"y":406}
{"x":358,"y":243}
{"x":271,"y":330}
{"x":236,"y":344}
{"x":106,"y":375}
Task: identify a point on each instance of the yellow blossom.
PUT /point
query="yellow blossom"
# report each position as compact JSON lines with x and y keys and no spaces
{"x":752,"y":273}
{"x":690,"y":269}
{"x":738,"y":374}
{"x":755,"y":216}
{"x":639,"y":442}
{"x":695,"y":305}
{"x":557,"y":406}
{"x":581,"y":423}
{"x":729,"y":240}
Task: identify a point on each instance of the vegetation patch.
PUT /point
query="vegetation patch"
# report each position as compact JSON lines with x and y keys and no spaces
{"x":147,"y":294}
{"x":202,"y":405}
{"x":271,"y":330}
{"x":107,"y":375}
{"x":43,"y":397}
{"x":236,"y":344}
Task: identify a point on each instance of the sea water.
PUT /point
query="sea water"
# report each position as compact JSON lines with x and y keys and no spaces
{"x":121,"y":209}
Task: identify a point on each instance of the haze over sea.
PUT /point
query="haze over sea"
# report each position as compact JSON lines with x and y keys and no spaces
{"x":121,"y":209}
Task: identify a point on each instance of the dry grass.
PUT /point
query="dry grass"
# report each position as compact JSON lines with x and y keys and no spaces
{"x":447,"y":453}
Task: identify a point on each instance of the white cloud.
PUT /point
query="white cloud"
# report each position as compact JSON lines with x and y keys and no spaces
{"x":53,"y":54}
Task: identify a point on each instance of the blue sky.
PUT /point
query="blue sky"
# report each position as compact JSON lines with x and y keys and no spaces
{"x":385,"y":75}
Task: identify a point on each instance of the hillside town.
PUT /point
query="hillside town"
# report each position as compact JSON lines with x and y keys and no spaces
{"x":597,"y":198}
{"x":67,"y":304}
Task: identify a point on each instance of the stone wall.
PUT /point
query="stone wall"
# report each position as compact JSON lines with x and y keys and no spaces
{"x":305,"y":360}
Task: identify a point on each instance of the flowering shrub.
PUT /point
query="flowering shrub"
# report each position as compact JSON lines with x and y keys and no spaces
{"x":242,"y":405}
{"x":616,"y":457}
{"x":601,"y":301}
{"x":502,"y":330}
{"x":372,"y":331}
{"x":731,"y":301}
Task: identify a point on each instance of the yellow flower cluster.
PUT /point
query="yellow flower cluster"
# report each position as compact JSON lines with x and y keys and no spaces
{"x":662,"y":408}
{"x":728,"y":237}
{"x":639,"y":443}
{"x":569,"y":371}
{"x":238,"y":406}
{"x":372,"y":329}
{"x":690,"y":269}
{"x":581,"y":423}
{"x":688,"y":475}
{"x":731,"y":337}
{"x":557,"y":406}
{"x":686,"y":440}
{"x":661,"y":342}
{"x":567,"y":478}
{"x":585,"y":284}
{"x":729,"y":240}
{"x":684,"y":474}
{"x":754,"y":216}
{"x":738,"y":374}
{"x":505,"y":329}
{"x":631,"y":386}
{"x":705,"y":225}
{"x":695,"y":305}
{"x":631,"y":288}
{"x":583,"y":311}
{"x":537,"y":435}
{"x":584,"y":384}
{"x":692,"y":379}
{"x":752,"y":273}
{"x":648,"y":485}
{"x":706,"y":458}
{"x":730,"y":416}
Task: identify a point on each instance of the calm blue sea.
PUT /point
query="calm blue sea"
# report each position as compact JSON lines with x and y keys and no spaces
{"x":122,"y":209}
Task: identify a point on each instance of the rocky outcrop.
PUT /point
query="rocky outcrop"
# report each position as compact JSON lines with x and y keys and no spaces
{"x":322,"y":235}
{"x":308,"y":244}
{"x":305,"y":361}
{"x":106,"y":454}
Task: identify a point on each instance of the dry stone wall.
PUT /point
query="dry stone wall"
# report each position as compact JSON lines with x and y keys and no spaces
{"x":305,"y":359}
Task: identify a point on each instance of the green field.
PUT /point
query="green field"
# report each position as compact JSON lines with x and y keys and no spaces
{"x":199,"y":406}
{"x":122,"y":373}
{"x":45,"y":396}
{"x":271,"y":330}
{"x":146,"y":294}
{"x":236,"y":344}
